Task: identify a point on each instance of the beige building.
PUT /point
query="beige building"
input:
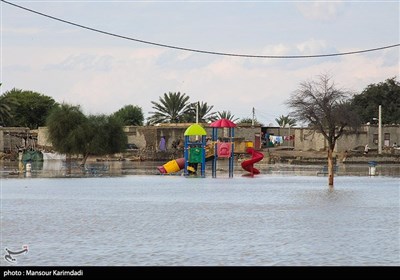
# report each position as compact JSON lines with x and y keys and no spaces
{"x":304,"y":139}
{"x":148,"y":137}
{"x":309,"y":140}
{"x":14,"y":138}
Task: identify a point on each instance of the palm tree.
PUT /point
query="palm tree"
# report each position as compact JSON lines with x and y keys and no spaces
{"x":226,"y":115}
{"x":171,"y":108}
{"x":204,"y":113}
{"x":6,"y":104}
{"x":284,"y":121}
{"x":5,"y":111}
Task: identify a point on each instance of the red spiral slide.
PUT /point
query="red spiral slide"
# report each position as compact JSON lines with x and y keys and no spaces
{"x":248,"y":165}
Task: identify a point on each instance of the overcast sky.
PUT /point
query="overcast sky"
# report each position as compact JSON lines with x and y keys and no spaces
{"x":103,"y":73}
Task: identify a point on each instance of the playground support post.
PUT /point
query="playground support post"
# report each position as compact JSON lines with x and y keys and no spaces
{"x":214,"y":162}
{"x":231,"y":135}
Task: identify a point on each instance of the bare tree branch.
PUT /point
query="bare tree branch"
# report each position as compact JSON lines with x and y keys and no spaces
{"x":326,"y":109}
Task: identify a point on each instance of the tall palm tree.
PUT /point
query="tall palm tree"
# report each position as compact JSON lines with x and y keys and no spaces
{"x":226,"y":115}
{"x":6,"y":104}
{"x":170,"y":108}
{"x":284,"y":121}
{"x":204,"y":112}
{"x":4,"y":109}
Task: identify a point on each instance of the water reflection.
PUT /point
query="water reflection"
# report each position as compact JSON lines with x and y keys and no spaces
{"x":59,"y":168}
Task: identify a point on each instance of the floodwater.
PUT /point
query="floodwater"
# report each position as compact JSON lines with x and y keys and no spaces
{"x":58,"y":168}
{"x":274,"y":219}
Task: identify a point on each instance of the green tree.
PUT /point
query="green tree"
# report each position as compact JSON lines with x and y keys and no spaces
{"x":226,"y":115}
{"x":250,"y":121}
{"x":204,"y":112}
{"x":285,"y":121}
{"x":326,"y":109}
{"x":28,"y":108}
{"x":130,"y":115}
{"x":171,"y":108}
{"x":387,"y":94}
{"x":102,"y":135}
{"x":73,"y":133}
{"x":65,"y":129}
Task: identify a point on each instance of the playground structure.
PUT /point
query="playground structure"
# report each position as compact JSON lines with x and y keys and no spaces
{"x":223,"y":149}
{"x":248,"y":165}
{"x":197,"y":152}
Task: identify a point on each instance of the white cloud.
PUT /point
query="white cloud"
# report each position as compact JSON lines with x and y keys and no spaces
{"x":276,"y":50}
{"x":320,"y":10}
{"x":84,"y":61}
{"x":134,"y":76}
{"x":21,"y":31}
{"x":311,"y":47}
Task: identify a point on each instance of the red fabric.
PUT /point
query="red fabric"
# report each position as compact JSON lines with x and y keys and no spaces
{"x":223,"y":123}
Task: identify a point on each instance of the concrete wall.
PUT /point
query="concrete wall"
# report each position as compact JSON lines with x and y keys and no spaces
{"x":306,"y":139}
{"x":42,"y":137}
{"x":392,"y":131}
{"x":309,"y":140}
{"x":148,"y":137}
{"x":12,"y":138}
{"x":351,"y":141}
{"x":246,"y":132}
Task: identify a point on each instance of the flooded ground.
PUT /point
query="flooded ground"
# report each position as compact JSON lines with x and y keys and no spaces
{"x":172,"y":220}
{"x":105,"y":215}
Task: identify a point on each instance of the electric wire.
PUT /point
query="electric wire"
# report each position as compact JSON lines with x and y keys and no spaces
{"x":198,"y":50}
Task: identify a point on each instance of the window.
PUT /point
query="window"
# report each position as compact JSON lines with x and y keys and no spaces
{"x":375,"y":139}
{"x":386,"y":139}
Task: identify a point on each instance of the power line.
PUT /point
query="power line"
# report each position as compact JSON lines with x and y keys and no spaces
{"x":197,"y":50}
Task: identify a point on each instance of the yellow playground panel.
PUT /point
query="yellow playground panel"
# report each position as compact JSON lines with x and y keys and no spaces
{"x":241,"y":146}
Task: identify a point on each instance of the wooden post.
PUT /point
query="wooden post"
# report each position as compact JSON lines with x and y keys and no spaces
{"x":330,"y":167}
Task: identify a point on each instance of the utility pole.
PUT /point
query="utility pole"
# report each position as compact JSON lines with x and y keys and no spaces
{"x":197,"y":112}
{"x":252,"y":119}
{"x":197,"y":117}
{"x":380,"y":130}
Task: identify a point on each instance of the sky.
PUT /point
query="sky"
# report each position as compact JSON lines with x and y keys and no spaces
{"x":103,"y":73}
